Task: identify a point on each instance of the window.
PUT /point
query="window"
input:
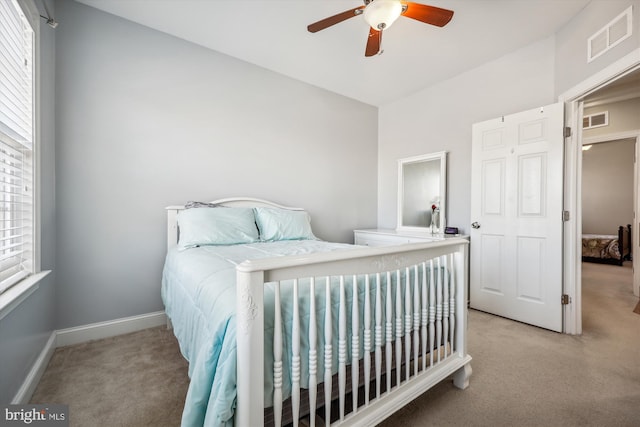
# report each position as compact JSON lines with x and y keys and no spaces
{"x":17,"y":224}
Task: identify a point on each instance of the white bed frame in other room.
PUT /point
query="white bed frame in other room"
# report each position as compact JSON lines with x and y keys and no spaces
{"x":433,"y":314}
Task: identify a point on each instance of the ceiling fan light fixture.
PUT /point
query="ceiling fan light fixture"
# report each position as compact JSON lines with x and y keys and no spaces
{"x":380,"y":14}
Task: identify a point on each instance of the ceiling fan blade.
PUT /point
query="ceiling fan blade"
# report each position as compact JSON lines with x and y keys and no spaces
{"x":335,"y":19}
{"x":373,"y":42}
{"x":428,"y":14}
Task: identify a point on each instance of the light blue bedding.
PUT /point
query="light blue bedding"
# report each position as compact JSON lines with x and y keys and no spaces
{"x":199,"y":293}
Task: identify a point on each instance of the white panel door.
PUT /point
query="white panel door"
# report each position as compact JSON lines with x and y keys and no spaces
{"x":516,"y":210}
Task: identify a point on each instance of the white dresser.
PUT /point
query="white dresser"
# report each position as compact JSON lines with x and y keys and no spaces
{"x":388,"y":237}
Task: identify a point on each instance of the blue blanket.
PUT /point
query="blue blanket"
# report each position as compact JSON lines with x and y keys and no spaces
{"x":199,"y":294}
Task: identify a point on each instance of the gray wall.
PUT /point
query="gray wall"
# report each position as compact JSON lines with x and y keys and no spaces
{"x":607,"y":186}
{"x":607,"y":170}
{"x":571,"y":42}
{"x":24,"y":332}
{"x":623,"y":116}
{"x":145,"y":120}
{"x":439,"y":119}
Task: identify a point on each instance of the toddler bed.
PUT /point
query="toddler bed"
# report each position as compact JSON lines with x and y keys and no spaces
{"x":278,"y":326}
{"x":607,"y":249}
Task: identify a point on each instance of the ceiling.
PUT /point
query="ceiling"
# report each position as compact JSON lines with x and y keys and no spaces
{"x":273,"y":34}
{"x":620,"y":89}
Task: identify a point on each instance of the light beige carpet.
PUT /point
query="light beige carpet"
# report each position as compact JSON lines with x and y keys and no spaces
{"x":138,"y":379}
{"x":522,"y":375}
{"x":526,"y":376}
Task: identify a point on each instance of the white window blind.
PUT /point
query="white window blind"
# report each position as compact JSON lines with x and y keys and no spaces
{"x":16,"y":145}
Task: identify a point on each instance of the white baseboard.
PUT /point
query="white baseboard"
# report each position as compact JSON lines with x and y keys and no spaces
{"x":78,"y":335}
{"x":111,"y":328}
{"x":33,"y":377}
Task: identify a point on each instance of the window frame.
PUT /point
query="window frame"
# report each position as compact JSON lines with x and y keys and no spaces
{"x":16,"y":294}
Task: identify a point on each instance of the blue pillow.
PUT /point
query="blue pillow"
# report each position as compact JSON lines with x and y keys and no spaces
{"x":216,"y":226}
{"x":283,"y":224}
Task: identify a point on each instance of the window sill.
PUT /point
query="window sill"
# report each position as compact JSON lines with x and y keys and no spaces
{"x":13,"y":296}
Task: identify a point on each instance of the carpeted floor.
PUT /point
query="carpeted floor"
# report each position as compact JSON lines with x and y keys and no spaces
{"x":138,"y":379}
{"x":522,"y":375}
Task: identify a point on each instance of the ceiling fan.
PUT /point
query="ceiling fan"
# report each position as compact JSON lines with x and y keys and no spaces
{"x":380,"y":14}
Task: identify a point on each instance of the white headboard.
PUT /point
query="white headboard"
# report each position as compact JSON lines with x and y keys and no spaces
{"x":238,"y":202}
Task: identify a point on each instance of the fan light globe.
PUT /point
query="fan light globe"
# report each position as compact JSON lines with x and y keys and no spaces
{"x":380,"y":14}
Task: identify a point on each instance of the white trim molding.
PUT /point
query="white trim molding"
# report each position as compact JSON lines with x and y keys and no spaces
{"x":80,"y":334}
{"x":574,"y":109}
{"x":33,"y":377}
{"x":611,"y":73}
{"x":12,"y":297}
{"x":633,"y":134}
{"x":111,"y":328}
{"x":611,"y":137}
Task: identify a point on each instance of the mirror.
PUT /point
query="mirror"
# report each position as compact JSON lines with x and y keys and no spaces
{"x":422,"y":185}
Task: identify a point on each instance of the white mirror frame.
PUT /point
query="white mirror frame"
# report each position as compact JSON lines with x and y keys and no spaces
{"x":442,"y":158}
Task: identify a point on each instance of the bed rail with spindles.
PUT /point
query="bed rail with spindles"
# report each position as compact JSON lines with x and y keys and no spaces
{"x":401,"y":328}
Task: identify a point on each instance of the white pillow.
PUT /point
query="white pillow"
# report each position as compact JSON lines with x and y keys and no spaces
{"x":216,"y":226}
{"x":283,"y":224}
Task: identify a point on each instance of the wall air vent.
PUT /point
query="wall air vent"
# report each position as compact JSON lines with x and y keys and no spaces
{"x":595,"y":120}
{"x":619,"y":29}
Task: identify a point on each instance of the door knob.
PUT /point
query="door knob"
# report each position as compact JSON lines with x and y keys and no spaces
{"x":475,"y":225}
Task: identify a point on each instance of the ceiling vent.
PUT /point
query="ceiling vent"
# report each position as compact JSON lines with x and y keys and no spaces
{"x":619,"y":29}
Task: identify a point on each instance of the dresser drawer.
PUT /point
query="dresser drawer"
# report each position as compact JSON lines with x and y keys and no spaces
{"x":366,"y":240}
{"x":372,"y":239}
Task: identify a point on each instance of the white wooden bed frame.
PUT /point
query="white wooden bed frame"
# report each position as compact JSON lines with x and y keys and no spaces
{"x":443,"y":318}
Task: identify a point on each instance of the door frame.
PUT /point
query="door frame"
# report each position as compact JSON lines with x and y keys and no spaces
{"x":572,"y":252}
{"x":635,"y":135}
